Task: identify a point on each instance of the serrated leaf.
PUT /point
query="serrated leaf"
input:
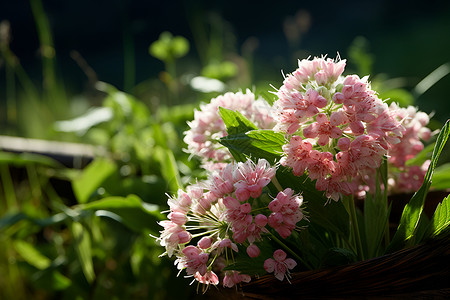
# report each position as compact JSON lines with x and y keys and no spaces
{"x":82,"y":244}
{"x":92,"y":178}
{"x":235,"y":121}
{"x":440,"y":220}
{"x":412,"y":211}
{"x":31,"y":255}
{"x":267,"y":140}
{"x":133,"y":213}
{"x":252,"y":145}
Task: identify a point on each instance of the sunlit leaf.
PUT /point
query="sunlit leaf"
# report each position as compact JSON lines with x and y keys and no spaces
{"x":31,"y":255}
{"x":235,"y":121}
{"x":400,"y":96}
{"x":133,"y":213}
{"x":169,"y":168}
{"x":441,"y":177}
{"x":440,"y":220}
{"x":92,"y":178}
{"x":413,"y":210}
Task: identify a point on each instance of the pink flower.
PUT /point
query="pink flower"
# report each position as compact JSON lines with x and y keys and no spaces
{"x":280,"y":265}
{"x":256,"y":228}
{"x":324,"y":129}
{"x":253,"y":251}
{"x":178,"y":218}
{"x":222,"y":182}
{"x":181,"y":203}
{"x":208,"y":278}
{"x":225,"y":243}
{"x":321,"y":165}
{"x":251,"y":178}
{"x":172,"y":236}
{"x":194,"y":260}
{"x":297,"y":155}
{"x":411,"y":178}
{"x":286,"y":212}
{"x":234,"y":277}
{"x":205,"y":242}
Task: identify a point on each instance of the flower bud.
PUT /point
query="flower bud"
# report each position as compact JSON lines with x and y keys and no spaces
{"x":204,"y":243}
{"x":253,"y":251}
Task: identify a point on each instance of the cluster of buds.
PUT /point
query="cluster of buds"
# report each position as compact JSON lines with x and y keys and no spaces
{"x":211,"y":220}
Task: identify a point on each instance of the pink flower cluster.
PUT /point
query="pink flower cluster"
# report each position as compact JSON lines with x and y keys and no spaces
{"x":207,"y":127}
{"x":409,"y":178}
{"x":227,"y":210}
{"x":338,"y":128}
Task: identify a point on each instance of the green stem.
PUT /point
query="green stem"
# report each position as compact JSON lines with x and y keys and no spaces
{"x":8,"y":187}
{"x":349,"y":203}
{"x":277,"y":184}
{"x":283,"y":245}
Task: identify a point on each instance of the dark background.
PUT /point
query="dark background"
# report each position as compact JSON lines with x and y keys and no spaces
{"x":407,"y":38}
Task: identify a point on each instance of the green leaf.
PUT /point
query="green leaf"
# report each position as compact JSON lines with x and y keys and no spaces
{"x":245,"y":140}
{"x":338,"y":257}
{"x":31,"y":255}
{"x":82,"y":244}
{"x":52,"y":280}
{"x":169,"y":168}
{"x":400,"y":96}
{"x":235,"y":121}
{"x":413,"y":210}
{"x":376,"y":213}
{"x":441,"y":177}
{"x":267,"y":140}
{"x":423,"y":155}
{"x":255,"y":144}
{"x":440,"y":220}
{"x":133,"y":213}
{"x":92,"y":178}
{"x":10,"y":219}
{"x":376,"y":216}
{"x":13,"y":218}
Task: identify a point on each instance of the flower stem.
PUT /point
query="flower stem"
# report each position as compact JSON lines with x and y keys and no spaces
{"x":277,"y":184}
{"x":283,"y":245}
